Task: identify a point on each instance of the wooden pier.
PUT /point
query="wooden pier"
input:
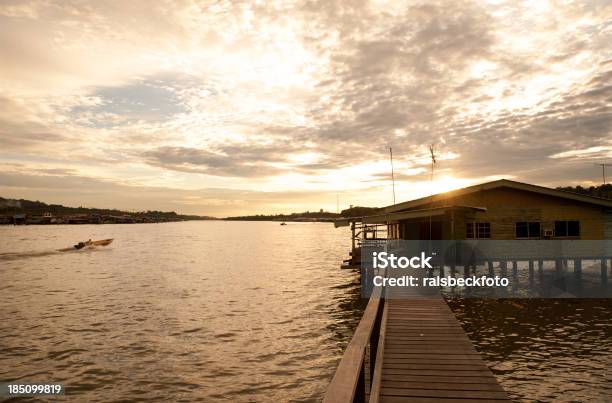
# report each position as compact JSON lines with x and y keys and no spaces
{"x":411,"y":348}
{"x":428,"y":357}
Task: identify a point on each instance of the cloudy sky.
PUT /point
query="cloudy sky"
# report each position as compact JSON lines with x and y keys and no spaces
{"x":224,"y":108}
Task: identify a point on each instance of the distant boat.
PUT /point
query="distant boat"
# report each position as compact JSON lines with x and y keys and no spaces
{"x":102,"y":242}
{"x":283,"y":223}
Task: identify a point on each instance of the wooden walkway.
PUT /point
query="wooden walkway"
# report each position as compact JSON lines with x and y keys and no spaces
{"x":428,"y":357}
{"x":418,"y":353}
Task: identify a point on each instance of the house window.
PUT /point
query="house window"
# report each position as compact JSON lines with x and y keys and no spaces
{"x":478,"y":230}
{"x":567,"y":228}
{"x":526,"y":229}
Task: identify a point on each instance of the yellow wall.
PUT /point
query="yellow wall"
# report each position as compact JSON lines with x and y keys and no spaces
{"x":507,"y":206}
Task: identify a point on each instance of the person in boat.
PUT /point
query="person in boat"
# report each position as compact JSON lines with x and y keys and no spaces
{"x":81,"y":245}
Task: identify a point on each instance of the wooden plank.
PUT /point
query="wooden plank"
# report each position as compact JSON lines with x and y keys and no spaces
{"x":435,"y":360}
{"x":435,"y":367}
{"x":402,"y":399}
{"x":467,"y":394}
{"x":417,"y":355}
{"x":432,"y":349}
{"x":424,"y":333}
{"x":449,"y":339}
{"x":466,"y":373}
{"x":413,"y":344}
{"x":430,"y":379}
{"x":440,"y":359}
{"x":442,"y":386}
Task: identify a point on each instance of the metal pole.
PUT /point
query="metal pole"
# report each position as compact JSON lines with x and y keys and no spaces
{"x":337,"y":203}
{"x":392,"y":173}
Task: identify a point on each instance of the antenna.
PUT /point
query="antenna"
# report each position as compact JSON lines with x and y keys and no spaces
{"x":392,"y":173}
{"x":433,"y":163}
{"x":433,"y":160}
{"x":603,"y":171}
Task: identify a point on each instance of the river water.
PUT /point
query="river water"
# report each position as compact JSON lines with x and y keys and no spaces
{"x":210,"y":310}
{"x":239,"y":311}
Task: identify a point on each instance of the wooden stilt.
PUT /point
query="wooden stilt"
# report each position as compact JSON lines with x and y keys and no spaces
{"x":577,"y":266}
{"x":559,"y":266}
{"x":540,"y":266}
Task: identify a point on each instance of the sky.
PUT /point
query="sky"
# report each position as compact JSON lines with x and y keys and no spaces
{"x":241,"y":107}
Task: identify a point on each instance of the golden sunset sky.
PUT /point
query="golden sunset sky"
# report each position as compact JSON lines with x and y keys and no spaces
{"x":225,"y":108}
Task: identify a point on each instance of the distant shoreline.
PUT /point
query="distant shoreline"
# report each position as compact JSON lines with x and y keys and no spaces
{"x":41,"y":224}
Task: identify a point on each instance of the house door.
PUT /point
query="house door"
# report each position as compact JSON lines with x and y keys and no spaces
{"x":434,"y":234}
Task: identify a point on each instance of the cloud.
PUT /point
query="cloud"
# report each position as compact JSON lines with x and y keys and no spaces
{"x":57,"y":186}
{"x":303,"y":96}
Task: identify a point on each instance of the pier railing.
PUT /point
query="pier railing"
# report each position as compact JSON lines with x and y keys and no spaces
{"x":350,"y":382}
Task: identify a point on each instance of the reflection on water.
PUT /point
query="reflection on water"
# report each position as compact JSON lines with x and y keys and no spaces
{"x":544,"y":349}
{"x":205,"y":311}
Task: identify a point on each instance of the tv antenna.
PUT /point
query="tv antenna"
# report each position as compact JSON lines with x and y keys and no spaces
{"x":433,"y":161}
{"x":433,"y":164}
{"x":603,"y":171}
{"x":392,"y":173}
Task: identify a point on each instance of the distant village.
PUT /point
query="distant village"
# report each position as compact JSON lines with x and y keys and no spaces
{"x":308,"y":216}
{"x":27,"y":212}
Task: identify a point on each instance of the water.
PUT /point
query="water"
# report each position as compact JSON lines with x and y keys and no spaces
{"x":234,"y":311}
{"x":544,"y":349}
{"x":244,"y":311}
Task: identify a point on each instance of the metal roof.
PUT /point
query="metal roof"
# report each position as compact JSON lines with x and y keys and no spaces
{"x":500,"y":184}
{"x":403,"y":215}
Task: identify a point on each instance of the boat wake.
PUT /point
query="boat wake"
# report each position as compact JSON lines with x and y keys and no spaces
{"x":26,"y":255}
{"x":9,"y":256}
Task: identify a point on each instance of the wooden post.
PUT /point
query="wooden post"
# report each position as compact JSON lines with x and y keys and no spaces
{"x":577,"y":266}
{"x":491,"y":271}
{"x":559,"y":266}
{"x":504,"y":268}
{"x":530,"y":268}
{"x":540,"y":266}
{"x":353,"y":238}
{"x":604,"y":270}
{"x":514,"y":268}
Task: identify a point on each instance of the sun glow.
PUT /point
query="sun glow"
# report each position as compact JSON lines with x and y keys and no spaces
{"x":414,"y":190}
